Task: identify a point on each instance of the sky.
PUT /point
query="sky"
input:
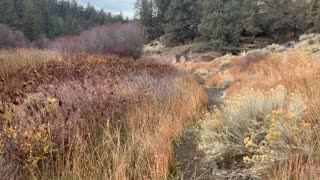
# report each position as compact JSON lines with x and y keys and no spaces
{"x":114,"y":6}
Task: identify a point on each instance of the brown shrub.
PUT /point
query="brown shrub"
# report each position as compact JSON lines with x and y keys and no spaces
{"x":120,"y":39}
{"x":41,"y":43}
{"x":10,"y":38}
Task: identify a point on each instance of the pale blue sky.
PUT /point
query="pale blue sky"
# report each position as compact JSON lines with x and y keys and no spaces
{"x":115,"y":6}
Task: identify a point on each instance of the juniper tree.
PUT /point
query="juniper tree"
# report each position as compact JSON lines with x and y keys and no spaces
{"x":182,"y":19}
{"x":221,"y":23}
{"x":285,"y":16}
{"x":314,"y":16}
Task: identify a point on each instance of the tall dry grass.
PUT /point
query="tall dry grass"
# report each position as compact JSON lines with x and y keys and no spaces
{"x":140,"y":147}
{"x":13,"y":60}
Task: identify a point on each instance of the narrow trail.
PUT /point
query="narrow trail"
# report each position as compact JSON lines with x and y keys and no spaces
{"x":191,"y":162}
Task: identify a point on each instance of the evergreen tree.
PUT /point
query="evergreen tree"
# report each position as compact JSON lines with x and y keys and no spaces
{"x":314,"y":16}
{"x":285,"y":16}
{"x":52,"y":17}
{"x":182,"y":19}
{"x":144,"y":11}
{"x":221,"y":24}
{"x":162,"y":7}
{"x":252,"y":18}
{"x":31,"y":21}
{"x":7,"y":13}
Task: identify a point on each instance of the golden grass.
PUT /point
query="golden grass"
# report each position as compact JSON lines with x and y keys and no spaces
{"x":13,"y":60}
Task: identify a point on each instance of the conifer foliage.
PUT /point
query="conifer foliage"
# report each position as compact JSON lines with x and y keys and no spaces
{"x":220,"y":23}
{"x":52,"y":18}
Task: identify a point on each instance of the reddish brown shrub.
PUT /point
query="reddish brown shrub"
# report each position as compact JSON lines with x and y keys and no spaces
{"x":120,"y":39}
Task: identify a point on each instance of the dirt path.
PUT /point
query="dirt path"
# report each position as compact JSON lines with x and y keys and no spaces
{"x":191,"y":162}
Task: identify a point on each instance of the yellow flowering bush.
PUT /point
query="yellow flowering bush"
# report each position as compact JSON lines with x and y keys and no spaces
{"x":257,"y":128}
{"x":26,"y":143}
{"x":306,"y":55}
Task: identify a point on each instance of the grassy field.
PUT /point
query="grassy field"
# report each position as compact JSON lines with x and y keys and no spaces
{"x":13,"y":60}
{"x":91,"y":117}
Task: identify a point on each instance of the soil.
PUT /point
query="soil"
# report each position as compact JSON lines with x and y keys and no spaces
{"x":192,"y":162}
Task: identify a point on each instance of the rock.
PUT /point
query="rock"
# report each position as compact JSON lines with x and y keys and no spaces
{"x":214,"y":165}
{"x":306,"y":37}
{"x":206,"y":58}
{"x":213,"y":71}
{"x":176,"y":58}
{"x":202,"y":72}
{"x":225,"y":83}
{"x":311,"y":41}
{"x":224,"y":65}
{"x":302,"y":44}
{"x":276,"y":48}
{"x":183,"y":59}
{"x":209,"y":56}
{"x":315,"y":50}
{"x":290,"y":44}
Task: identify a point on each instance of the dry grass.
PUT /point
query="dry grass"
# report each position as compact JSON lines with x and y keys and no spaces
{"x":13,"y":60}
{"x":142,"y":147}
{"x":296,"y":168}
{"x":91,"y":117}
{"x":299,"y":73}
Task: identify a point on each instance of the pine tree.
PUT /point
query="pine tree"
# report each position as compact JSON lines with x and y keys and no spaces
{"x":182,"y":19}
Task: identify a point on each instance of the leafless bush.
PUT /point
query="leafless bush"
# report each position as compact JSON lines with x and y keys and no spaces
{"x":255,"y":56}
{"x":10,"y":38}
{"x":41,"y":43}
{"x":120,"y":39}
